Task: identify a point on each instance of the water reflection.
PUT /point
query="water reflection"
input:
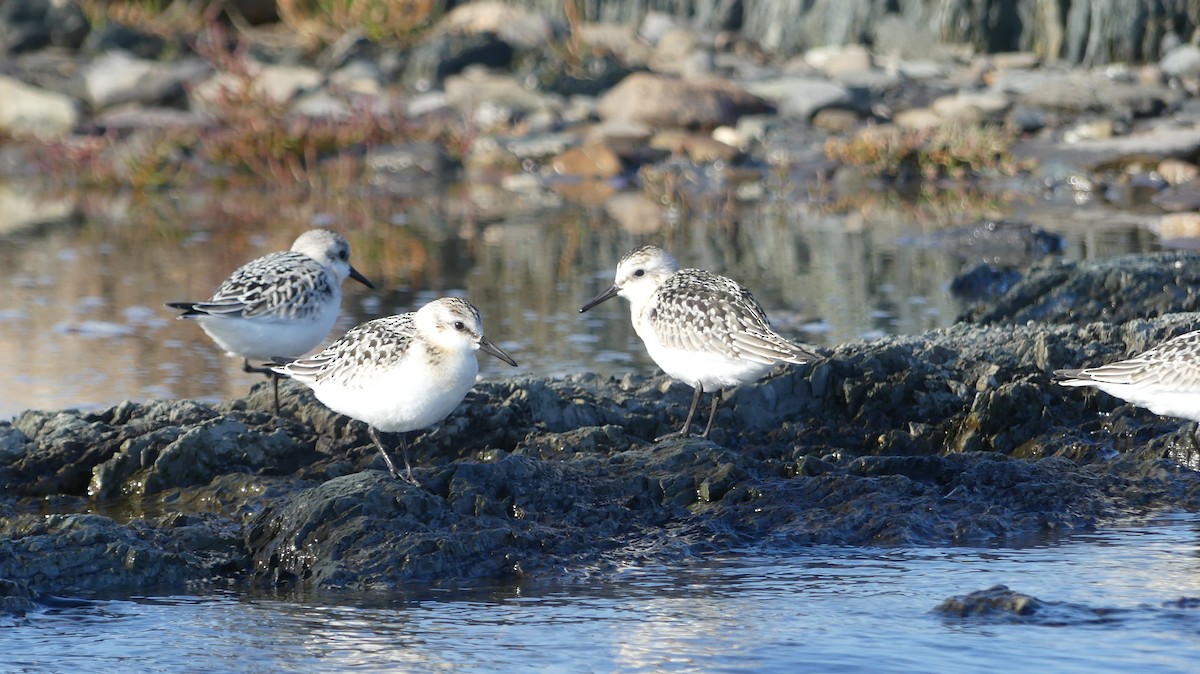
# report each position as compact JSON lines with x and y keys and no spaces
{"x":820,"y":608}
{"x":83,"y":279}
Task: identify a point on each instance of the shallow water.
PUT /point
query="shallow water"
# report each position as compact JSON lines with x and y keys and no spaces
{"x":1122,"y":599}
{"x":82,"y":324}
{"x":83,"y":279}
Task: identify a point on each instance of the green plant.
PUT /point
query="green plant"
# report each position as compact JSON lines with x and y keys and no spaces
{"x":140,"y":162}
{"x":251,"y":138}
{"x":951,"y":150}
{"x":164,"y":18}
{"x":399,"y":20}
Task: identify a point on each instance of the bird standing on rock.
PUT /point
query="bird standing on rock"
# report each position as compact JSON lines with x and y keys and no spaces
{"x":400,"y":373}
{"x":279,"y":305}
{"x":701,"y":328}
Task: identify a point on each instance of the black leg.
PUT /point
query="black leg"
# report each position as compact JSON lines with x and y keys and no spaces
{"x":407,"y":476}
{"x":247,"y":367}
{"x":712,"y":413}
{"x":687,"y":425}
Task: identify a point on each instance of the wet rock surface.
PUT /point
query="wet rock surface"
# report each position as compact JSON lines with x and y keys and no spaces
{"x":999,"y":604}
{"x":1115,"y":290}
{"x":955,"y":436}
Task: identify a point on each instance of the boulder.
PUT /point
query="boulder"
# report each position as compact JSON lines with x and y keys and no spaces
{"x":657,"y":101}
{"x":30,"y":111}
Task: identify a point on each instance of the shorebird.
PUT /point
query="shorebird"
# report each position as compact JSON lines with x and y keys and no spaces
{"x":1164,"y":380}
{"x":399,"y":373}
{"x":279,"y":305}
{"x":700,"y":328}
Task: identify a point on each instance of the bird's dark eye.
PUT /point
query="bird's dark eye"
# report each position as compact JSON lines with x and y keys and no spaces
{"x":639,"y":273}
{"x":344,"y":254}
{"x":460,"y":326}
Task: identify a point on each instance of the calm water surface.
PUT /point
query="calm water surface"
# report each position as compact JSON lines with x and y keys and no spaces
{"x":1124,"y":599}
{"x":83,"y":280}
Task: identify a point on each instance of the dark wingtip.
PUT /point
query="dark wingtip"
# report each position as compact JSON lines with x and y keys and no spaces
{"x":274,"y":363}
{"x":188,"y":309}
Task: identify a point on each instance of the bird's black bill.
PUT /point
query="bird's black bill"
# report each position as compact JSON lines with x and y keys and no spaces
{"x":486,"y":346}
{"x":606,"y":295}
{"x":357,"y":276}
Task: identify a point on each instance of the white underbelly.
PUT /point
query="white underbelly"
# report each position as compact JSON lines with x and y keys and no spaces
{"x":401,"y":399}
{"x":263,"y":339}
{"x":1179,"y":404}
{"x":710,"y":370}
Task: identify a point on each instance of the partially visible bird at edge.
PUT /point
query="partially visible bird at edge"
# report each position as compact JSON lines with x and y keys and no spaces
{"x":1164,"y":379}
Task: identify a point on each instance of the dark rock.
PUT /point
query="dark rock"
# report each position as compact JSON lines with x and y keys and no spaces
{"x":113,"y":35}
{"x":1116,"y":290}
{"x":997,"y":599}
{"x":253,"y":12}
{"x":1027,"y":119}
{"x":28,"y":25}
{"x":984,"y":280}
{"x":78,"y":553}
{"x":1001,"y":605}
{"x":913,"y":94}
{"x":169,"y":459}
{"x":63,"y":449}
{"x":504,"y":524}
{"x":447,"y":54}
{"x":16,"y":597}
{"x":592,"y":76}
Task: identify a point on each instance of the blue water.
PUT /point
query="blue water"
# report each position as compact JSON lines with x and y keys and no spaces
{"x":1115,"y":599}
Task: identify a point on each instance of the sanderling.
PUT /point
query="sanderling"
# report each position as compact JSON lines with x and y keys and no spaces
{"x":1164,"y":380}
{"x":400,"y":373}
{"x":280,"y":305}
{"x":703,"y":329}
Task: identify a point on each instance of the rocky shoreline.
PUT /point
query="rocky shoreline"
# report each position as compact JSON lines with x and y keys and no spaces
{"x":545,"y":107}
{"x":956,"y":436}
